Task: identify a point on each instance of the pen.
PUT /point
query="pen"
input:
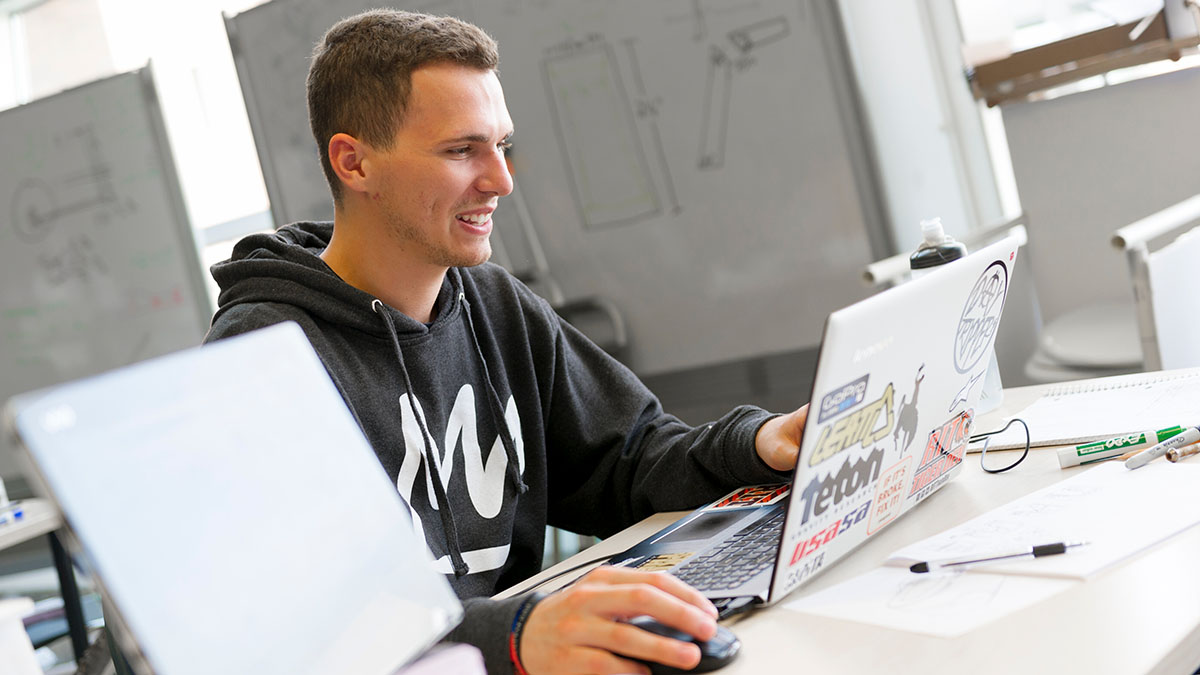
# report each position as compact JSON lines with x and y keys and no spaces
{"x":1032,"y":551}
{"x":1097,"y":451}
{"x":1187,"y":437}
{"x":1176,"y":454}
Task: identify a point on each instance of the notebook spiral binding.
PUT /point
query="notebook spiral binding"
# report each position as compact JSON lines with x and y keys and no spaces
{"x":1122,"y":382}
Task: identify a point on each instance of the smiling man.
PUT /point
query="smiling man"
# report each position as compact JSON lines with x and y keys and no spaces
{"x":492,"y":415}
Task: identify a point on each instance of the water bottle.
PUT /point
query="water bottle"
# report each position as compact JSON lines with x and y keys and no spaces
{"x":939,"y":248}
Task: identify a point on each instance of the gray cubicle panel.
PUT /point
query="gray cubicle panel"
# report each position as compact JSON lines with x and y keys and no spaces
{"x":98,"y":264}
{"x":702,"y":165}
{"x":1091,"y":162}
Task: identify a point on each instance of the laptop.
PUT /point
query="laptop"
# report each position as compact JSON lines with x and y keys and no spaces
{"x":897,"y":380}
{"x":233,"y":513}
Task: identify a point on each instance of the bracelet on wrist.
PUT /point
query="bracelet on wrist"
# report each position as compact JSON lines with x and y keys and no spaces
{"x":518,"y":626}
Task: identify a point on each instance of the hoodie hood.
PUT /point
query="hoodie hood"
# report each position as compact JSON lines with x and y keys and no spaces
{"x":285,"y":266}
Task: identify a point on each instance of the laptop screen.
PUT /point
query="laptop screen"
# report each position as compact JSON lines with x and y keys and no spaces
{"x":235,"y":515}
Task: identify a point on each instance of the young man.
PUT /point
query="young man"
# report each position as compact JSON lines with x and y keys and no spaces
{"x":493,"y":416}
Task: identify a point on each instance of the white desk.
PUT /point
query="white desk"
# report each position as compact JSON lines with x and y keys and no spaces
{"x":1142,"y":616}
{"x":42,"y":518}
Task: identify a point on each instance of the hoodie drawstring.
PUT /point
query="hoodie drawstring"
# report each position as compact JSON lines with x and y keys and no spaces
{"x":449,"y":528}
{"x":510,"y":446}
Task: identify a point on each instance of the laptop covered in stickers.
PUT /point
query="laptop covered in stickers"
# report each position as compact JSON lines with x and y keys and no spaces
{"x":892,"y":407}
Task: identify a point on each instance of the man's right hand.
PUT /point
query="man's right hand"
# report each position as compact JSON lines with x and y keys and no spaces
{"x":582,"y":629}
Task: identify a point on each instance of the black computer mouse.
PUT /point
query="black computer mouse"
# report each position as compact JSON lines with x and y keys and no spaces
{"x":716,"y":653}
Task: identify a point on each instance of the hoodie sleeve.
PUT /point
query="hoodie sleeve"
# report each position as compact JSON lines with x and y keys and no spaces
{"x":486,"y":624}
{"x":615,"y":457}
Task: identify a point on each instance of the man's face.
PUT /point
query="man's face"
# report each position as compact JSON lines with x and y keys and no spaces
{"x":441,"y":180}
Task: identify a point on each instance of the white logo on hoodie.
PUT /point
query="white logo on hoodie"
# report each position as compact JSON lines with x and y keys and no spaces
{"x":485,"y":482}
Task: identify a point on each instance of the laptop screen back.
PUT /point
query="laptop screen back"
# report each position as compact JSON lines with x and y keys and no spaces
{"x":235,"y":515}
{"x":897,"y":381}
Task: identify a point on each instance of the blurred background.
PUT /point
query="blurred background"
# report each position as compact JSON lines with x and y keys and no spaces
{"x":699,"y":182}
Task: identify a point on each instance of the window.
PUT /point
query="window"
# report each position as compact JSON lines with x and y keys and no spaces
{"x":1042,"y":48}
{"x":197,"y":84}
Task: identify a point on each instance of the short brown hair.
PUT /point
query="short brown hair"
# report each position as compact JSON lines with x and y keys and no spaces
{"x":360,"y":77}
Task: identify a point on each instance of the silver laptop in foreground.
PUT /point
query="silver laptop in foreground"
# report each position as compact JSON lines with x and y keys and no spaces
{"x":898,"y":377}
{"x":233,"y":513}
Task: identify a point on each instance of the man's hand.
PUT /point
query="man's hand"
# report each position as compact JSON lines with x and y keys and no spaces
{"x":778,"y":441}
{"x":581,"y":630}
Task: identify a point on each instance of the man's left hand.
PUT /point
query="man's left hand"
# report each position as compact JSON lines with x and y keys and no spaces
{"x":778,"y":441}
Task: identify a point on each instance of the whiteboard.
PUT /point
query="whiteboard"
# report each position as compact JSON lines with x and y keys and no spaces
{"x":98,"y":265}
{"x":698,"y":163}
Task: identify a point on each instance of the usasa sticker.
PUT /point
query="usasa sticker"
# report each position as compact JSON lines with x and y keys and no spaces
{"x":807,"y":547}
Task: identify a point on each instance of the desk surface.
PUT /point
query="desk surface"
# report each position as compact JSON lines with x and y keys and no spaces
{"x":1141,"y":616}
{"x":40,"y":518}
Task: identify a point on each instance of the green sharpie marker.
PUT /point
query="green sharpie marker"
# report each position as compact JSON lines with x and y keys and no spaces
{"x":1098,"y":451}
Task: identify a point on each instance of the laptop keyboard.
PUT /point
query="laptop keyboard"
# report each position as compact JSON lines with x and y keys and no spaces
{"x":732,"y":563}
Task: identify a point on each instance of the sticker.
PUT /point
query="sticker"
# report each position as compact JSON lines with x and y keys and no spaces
{"x":863,"y":427}
{"x":797,"y":575}
{"x":889,"y":495}
{"x":755,"y":495}
{"x":965,"y":392}
{"x":944,"y":451}
{"x":663,"y":561}
{"x":906,"y":415}
{"x":822,"y":493}
{"x":807,"y":547}
{"x":842,"y":399}
{"x":980,"y":317}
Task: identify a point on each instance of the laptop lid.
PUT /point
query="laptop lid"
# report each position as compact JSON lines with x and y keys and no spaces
{"x":897,"y":380}
{"x":898,"y":377}
{"x":234,"y":514}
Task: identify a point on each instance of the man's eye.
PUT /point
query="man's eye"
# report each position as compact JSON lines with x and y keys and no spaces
{"x":460,"y":151}
{"x":505,"y":147}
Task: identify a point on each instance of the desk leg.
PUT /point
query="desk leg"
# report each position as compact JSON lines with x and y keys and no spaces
{"x":70,"y":595}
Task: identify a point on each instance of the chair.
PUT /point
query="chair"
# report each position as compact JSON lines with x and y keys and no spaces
{"x":1161,"y":250}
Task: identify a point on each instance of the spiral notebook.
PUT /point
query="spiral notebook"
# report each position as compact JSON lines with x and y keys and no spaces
{"x":1090,"y":410}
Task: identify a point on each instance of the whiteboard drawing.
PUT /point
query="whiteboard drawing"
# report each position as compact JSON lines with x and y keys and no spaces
{"x":38,"y":205}
{"x":714,"y":125}
{"x":756,"y":35}
{"x":697,"y":15}
{"x":648,"y":109}
{"x":605,"y":161}
{"x":77,"y":260}
{"x":718,"y":87}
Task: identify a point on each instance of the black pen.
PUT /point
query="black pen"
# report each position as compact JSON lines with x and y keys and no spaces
{"x":1030,"y":552}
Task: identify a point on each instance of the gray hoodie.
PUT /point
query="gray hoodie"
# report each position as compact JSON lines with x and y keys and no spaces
{"x":494,"y":420}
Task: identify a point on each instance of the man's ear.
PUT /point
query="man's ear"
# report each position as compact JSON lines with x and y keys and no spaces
{"x":347,"y":155}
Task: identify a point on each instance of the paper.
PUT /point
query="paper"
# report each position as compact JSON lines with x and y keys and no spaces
{"x":942,"y":605}
{"x":1117,"y":511}
{"x":1107,"y":407}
